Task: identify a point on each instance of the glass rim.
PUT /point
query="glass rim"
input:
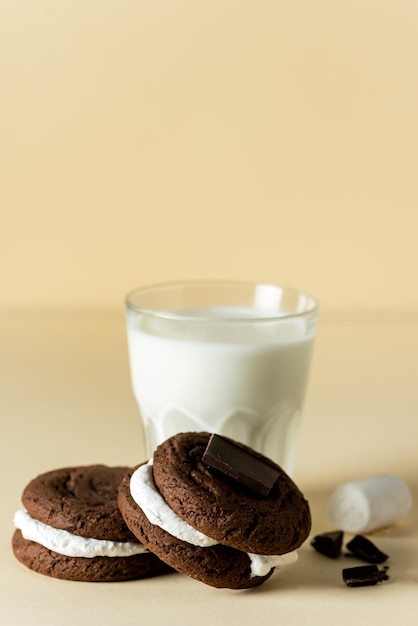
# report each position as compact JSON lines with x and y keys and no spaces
{"x":167,"y":314}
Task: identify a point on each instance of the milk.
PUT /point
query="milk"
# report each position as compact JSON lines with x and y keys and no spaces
{"x":242,"y":379}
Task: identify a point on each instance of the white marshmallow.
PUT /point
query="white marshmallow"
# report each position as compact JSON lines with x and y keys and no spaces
{"x":369,"y":503}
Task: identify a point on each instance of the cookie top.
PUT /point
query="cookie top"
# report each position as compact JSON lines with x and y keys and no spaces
{"x":81,"y":500}
{"x":222,"y":508}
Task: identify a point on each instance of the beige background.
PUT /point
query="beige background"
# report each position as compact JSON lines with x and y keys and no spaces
{"x":148,"y":140}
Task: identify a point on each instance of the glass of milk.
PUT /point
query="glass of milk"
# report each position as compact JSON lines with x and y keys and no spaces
{"x":225,"y":357}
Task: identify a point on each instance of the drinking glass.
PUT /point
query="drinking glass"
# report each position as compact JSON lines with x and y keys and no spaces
{"x":225,"y":357}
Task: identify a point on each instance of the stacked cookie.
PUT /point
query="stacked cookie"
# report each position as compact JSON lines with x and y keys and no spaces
{"x":215,"y":510}
{"x":205,"y":506}
{"x":71,"y":528}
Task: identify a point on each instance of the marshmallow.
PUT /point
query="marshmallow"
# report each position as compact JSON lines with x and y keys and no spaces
{"x":369,"y":503}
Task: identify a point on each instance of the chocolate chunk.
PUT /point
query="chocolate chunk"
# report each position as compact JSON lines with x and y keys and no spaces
{"x":329,"y":543}
{"x":239,"y":464}
{"x":364,"y":575}
{"x":365,"y":550}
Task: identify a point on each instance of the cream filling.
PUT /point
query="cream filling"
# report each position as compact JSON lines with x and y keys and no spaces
{"x":66,"y":543}
{"x":157,"y":511}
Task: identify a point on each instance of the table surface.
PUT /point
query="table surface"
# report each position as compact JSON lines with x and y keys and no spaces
{"x":65,"y":399}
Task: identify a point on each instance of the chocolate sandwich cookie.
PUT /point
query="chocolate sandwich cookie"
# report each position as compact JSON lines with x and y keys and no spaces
{"x":227,"y":521}
{"x":71,"y":528}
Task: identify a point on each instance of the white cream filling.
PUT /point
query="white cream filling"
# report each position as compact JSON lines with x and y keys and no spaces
{"x":261,"y":564}
{"x":157,"y":511}
{"x":64,"y":542}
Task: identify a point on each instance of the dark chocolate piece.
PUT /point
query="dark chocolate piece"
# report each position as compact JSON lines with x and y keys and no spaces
{"x":237,"y":463}
{"x":365,"y":550}
{"x":329,"y":543}
{"x":364,"y":575}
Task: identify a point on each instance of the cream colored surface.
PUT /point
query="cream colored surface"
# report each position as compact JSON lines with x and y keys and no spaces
{"x":147,"y":140}
{"x":66,"y":399}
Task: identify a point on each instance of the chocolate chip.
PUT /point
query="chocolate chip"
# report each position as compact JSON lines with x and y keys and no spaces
{"x":240,"y":464}
{"x":365,"y":550}
{"x":364,"y":575}
{"x":328,"y":543}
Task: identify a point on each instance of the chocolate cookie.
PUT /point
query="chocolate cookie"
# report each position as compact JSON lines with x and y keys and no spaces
{"x":71,"y":528}
{"x":208,"y":524}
